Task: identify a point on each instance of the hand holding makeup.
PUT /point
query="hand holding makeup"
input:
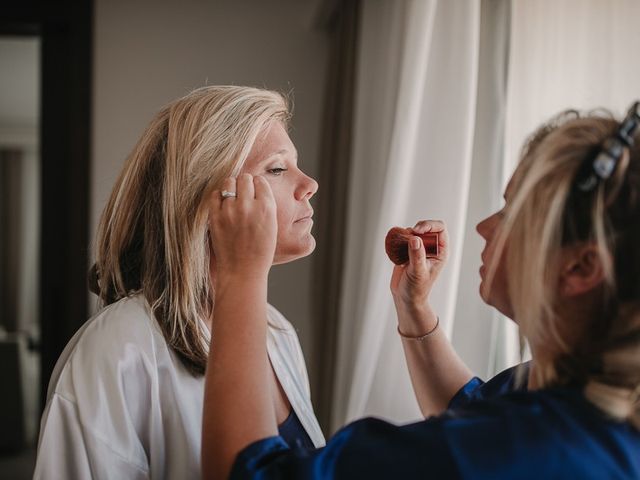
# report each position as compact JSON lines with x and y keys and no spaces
{"x":397,"y":244}
{"x":419,"y":254}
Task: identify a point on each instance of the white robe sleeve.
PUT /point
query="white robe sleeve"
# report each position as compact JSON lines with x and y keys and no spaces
{"x":68,"y":450}
{"x":99,"y":420}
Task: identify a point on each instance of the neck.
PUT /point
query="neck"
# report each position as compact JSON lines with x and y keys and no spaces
{"x":538,"y":356}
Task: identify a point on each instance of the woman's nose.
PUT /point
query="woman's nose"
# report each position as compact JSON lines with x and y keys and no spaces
{"x":483,"y":228}
{"x":308,"y":187}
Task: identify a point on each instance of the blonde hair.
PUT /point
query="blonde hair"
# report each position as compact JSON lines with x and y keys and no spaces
{"x":153,"y":234}
{"x":546,"y":213}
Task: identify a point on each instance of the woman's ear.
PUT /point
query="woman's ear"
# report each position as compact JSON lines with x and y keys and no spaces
{"x":582,"y":270}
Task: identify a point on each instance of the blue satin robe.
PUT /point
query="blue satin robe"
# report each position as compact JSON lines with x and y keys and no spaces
{"x":490,"y":431}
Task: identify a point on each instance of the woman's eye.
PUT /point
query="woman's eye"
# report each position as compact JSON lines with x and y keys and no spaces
{"x":276,"y":171}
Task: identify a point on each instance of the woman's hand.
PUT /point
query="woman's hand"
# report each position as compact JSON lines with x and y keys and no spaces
{"x":238,"y":405}
{"x":436,"y":370}
{"x":244,"y":228}
{"x":411,"y":283}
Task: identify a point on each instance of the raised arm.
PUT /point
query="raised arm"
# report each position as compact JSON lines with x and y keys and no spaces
{"x":436,"y":370}
{"x":237,"y":403}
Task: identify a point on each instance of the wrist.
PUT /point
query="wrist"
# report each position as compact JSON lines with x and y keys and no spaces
{"x":414,"y":308}
{"x":243,"y":270}
{"x":416,"y":320}
{"x":240,"y":297}
{"x":422,"y":336}
{"x":244,"y":280}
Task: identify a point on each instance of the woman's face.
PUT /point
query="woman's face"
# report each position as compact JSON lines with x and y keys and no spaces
{"x":275,"y":158}
{"x":495,"y":291}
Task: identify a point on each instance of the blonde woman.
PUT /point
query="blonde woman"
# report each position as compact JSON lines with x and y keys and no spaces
{"x":125,"y":399}
{"x":562,"y":259}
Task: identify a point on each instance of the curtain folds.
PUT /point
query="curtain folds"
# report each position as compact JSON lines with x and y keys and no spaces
{"x":571,"y":54}
{"x":487,"y":341}
{"x":334,"y":177}
{"x":445,"y":95}
{"x":412,"y":145}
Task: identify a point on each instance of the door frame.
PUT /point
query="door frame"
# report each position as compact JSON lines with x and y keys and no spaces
{"x":65,"y":29}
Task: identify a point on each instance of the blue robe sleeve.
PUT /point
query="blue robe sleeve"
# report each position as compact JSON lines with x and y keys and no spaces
{"x":501,"y":384}
{"x":486,"y":435}
{"x":368,"y":448}
{"x":466,"y":393}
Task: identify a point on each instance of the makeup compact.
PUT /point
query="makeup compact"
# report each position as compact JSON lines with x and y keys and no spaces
{"x":397,"y":244}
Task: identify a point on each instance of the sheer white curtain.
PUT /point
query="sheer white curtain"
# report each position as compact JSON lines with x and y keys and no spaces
{"x":446,"y":94}
{"x":569,"y":54}
{"x":413,"y":140}
{"x":486,"y":341}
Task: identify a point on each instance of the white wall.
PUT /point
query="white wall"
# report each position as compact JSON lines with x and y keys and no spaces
{"x":147,"y":53}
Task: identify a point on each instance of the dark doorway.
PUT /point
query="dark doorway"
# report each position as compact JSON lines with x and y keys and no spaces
{"x":63,"y":31}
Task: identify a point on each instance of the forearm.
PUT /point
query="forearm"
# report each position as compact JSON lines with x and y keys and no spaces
{"x":238,"y":409}
{"x":436,"y":370}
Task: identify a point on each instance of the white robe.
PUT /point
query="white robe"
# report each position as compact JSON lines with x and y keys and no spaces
{"x":121,"y":405}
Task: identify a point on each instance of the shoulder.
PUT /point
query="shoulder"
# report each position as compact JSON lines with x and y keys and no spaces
{"x":558,"y":424}
{"x":511,"y":379}
{"x":538,"y":409}
{"x":123,"y":337}
{"x":278,"y":320}
{"x":543,"y":434}
{"x":119,"y":328}
{"x":105,"y":384}
{"x":130,"y":317}
{"x":554,"y":433}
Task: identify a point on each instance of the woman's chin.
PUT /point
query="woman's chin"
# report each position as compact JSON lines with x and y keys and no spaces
{"x":503,"y":307}
{"x":483,"y":293}
{"x":302,"y":249}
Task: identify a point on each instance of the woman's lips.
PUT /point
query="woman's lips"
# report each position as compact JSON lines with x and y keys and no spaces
{"x":306,"y":218}
{"x":483,"y":269}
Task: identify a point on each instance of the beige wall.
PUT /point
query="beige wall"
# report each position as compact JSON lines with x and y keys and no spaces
{"x":147,"y":53}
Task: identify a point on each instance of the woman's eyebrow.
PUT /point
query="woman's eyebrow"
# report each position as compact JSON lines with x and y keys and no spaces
{"x":282,"y":151}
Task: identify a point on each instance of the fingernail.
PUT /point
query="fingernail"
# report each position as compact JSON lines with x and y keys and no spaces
{"x":415,"y":243}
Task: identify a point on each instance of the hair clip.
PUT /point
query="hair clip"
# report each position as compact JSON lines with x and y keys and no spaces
{"x":611,"y":152}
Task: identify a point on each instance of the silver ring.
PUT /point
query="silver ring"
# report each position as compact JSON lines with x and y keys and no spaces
{"x":227,"y":194}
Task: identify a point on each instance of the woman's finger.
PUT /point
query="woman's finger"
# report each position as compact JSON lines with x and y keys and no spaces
{"x":245,"y":190}
{"x":228,"y":185}
{"x":417,"y":258}
{"x":439,"y":227}
{"x":262,"y":188}
{"x":424,"y":226}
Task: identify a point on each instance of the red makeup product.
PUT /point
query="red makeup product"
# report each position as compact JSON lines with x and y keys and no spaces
{"x":397,"y":244}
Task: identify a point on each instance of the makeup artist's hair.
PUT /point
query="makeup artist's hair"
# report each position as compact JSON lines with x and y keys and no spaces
{"x":153,"y":234}
{"x":547,"y":213}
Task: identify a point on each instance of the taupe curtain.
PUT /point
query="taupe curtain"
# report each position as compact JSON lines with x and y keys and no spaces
{"x":10,"y":223}
{"x":342,"y":25}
